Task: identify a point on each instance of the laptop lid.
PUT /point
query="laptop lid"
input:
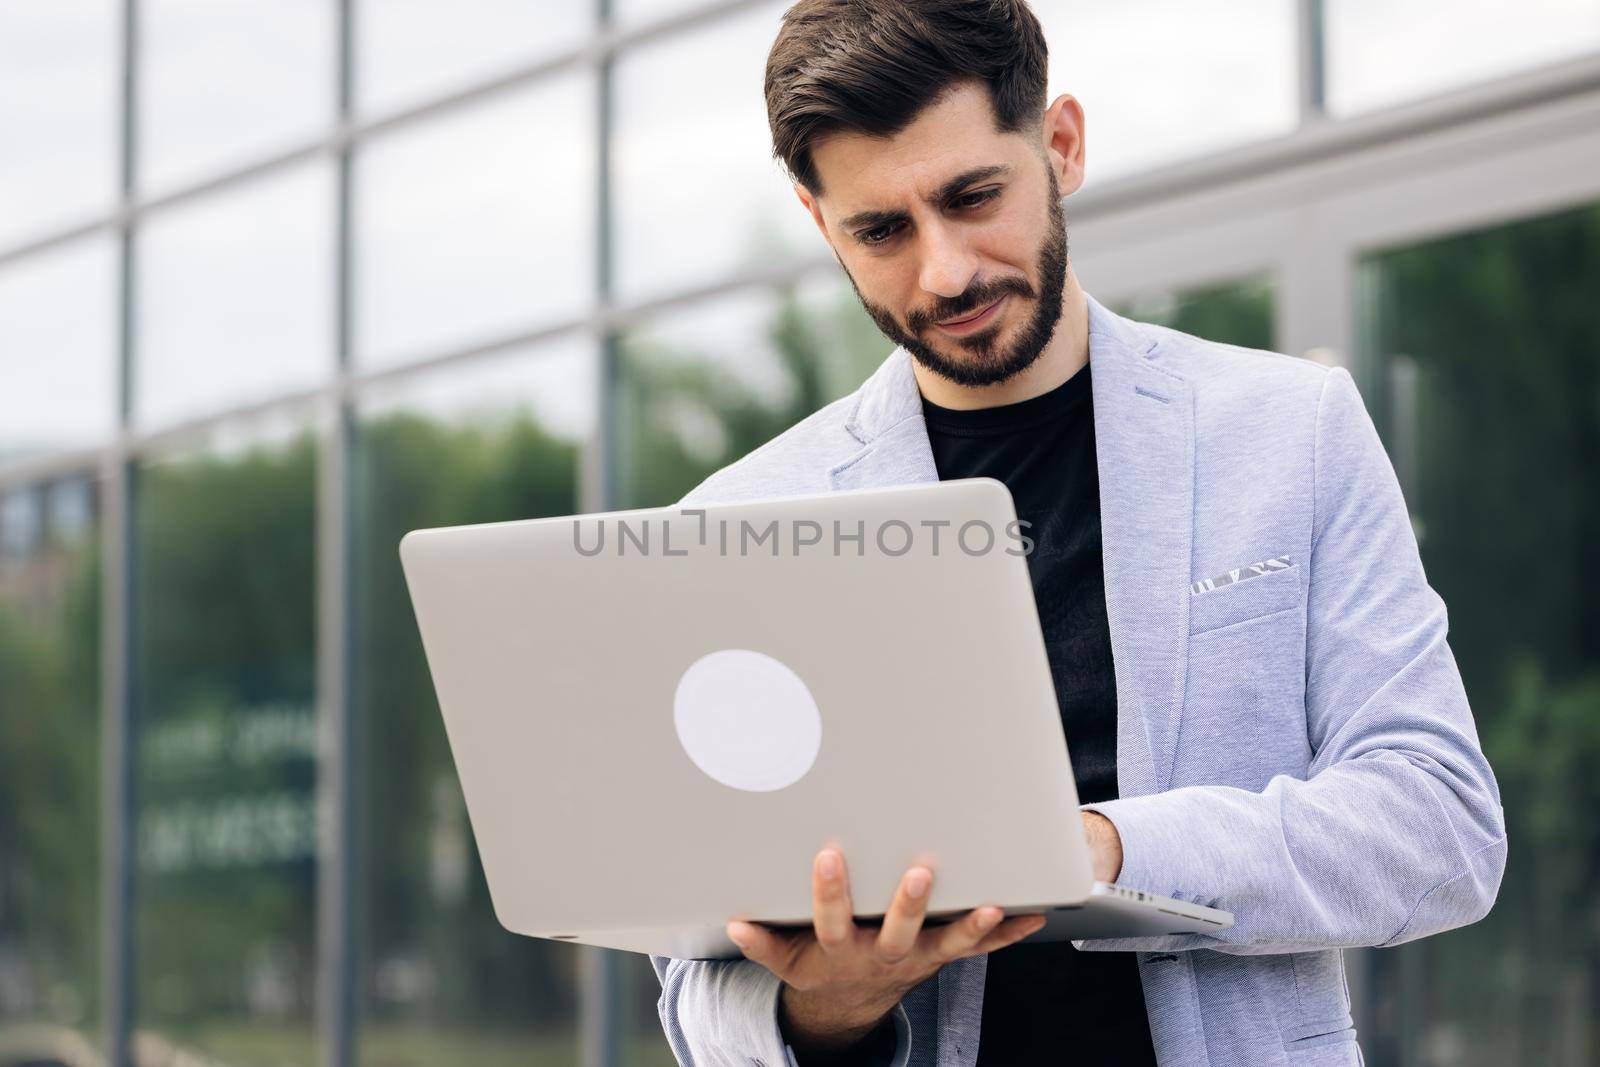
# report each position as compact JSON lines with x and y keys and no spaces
{"x":659,"y":716}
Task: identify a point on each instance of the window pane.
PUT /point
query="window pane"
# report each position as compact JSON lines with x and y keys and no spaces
{"x":49,"y":774}
{"x":1160,"y":80}
{"x":1483,"y":348}
{"x":630,"y":11}
{"x":224,"y":83}
{"x":440,"y":980}
{"x":477,"y":223}
{"x":1382,"y":52}
{"x":235,"y":297}
{"x":411,"y":49}
{"x":1233,"y":313}
{"x":58,"y":349}
{"x":698,"y":194}
{"x":60,"y":160}
{"x":701,"y":387}
{"x":225,"y":756}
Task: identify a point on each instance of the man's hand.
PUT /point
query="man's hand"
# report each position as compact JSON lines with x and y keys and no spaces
{"x":840,"y":979}
{"x":1105,"y":846}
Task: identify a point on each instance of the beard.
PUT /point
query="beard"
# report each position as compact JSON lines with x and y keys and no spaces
{"x":984,"y":360}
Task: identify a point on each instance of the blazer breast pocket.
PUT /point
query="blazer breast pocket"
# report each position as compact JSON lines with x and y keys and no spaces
{"x":1245,"y":679}
{"x":1243,"y":598}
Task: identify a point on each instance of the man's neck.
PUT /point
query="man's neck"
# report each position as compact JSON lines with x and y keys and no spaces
{"x":1063,"y":357}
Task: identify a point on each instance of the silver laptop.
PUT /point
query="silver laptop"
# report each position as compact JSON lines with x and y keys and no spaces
{"x":660,"y":716}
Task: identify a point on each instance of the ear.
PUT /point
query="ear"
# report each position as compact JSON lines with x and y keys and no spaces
{"x":1063,"y":141}
{"x":815,"y":209}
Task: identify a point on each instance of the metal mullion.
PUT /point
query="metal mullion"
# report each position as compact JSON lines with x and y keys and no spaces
{"x":1315,"y":307}
{"x":116,"y":831}
{"x":335,"y":948}
{"x":1311,"y":61}
{"x":603,"y":494}
{"x":335,"y":963}
{"x":599,"y":993}
{"x":117,"y":793}
{"x":117,"y":592}
{"x":52,"y":466}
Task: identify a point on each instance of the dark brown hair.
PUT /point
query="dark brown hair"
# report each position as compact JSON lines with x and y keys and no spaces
{"x":871,"y":66}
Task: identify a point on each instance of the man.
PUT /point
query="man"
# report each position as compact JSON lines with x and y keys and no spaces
{"x":1263,"y":711}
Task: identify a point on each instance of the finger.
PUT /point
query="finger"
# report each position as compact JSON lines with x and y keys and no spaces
{"x":903,"y":921}
{"x":1009,"y":933}
{"x":763,"y":946}
{"x":832,"y":915}
{"x":959,"y":938}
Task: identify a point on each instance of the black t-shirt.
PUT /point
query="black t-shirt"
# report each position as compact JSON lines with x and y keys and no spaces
{"x":1039,"y":997}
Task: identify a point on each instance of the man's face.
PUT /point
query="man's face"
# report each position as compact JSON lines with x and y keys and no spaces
{"x":952,"y":234}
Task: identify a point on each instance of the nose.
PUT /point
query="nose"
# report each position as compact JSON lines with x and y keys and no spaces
{"x":948,"y":265}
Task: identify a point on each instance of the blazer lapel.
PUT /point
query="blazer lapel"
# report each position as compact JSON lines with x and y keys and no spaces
{"x":1144,"y":443}
{"x":1144,"y":440}
{"x":887,"y":420}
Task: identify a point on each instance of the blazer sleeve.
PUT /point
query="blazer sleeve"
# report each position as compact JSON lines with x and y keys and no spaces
{"x":724,"y":1013}
{"x":1396,"y":832}
{"x":720,"y":1012}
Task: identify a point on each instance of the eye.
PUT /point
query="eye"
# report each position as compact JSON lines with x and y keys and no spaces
{"x":878,"y":234}
{"x":977,"y":198}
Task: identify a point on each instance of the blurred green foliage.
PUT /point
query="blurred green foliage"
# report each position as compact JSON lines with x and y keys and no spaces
{"x":465,"y":970}
{"x":1234,"y":313}
{"x":224,"y":627}
{"x":665,"y":395}
{"x":1483,"y":371}
{"x":50,"y":788}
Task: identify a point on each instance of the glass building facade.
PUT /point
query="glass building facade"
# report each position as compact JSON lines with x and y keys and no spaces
{"x":280,"y":282}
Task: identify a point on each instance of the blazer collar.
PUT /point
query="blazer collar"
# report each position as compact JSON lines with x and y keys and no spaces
{"x":1144,"y":441}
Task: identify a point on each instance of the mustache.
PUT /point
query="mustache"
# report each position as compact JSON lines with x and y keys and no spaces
{"x":978,"y":296}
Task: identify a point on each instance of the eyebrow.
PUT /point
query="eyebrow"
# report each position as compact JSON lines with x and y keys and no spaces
{"x":872,"y":219}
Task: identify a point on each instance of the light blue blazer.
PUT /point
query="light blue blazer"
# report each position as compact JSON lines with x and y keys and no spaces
{"x":1295,"y":748}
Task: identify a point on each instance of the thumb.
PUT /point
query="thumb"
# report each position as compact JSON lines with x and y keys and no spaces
{"x":758,"y":944}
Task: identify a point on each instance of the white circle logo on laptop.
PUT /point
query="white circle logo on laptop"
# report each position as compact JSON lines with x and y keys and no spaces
{"x":747,"y":720}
